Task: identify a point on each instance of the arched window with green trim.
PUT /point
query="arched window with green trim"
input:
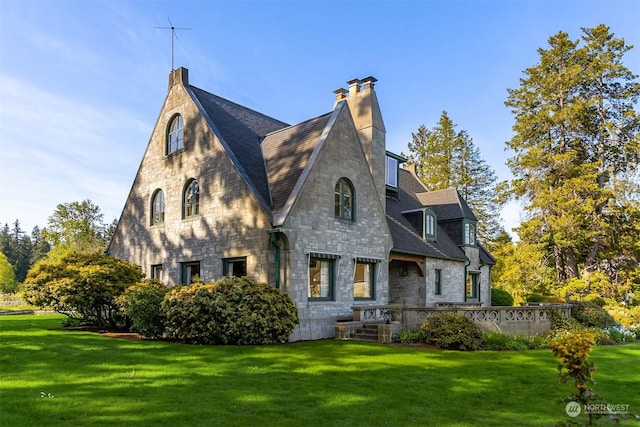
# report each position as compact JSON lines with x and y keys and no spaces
{"x":157,"y":207}
{"x":175,"y":135}
{"x":191,"y":199}
{"x":344,"y":200}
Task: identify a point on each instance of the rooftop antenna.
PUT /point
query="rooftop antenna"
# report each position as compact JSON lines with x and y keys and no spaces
{"x":173,"y":36}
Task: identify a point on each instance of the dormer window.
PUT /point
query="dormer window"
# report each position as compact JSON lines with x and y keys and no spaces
{"x":392,"y":172}
{"x":392,"y":165}
{"x":469,"y":234}
{"x":175,"y":135}
{"x":430,"y":225}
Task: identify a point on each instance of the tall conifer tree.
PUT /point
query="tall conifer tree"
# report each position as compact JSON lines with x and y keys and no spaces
{"x":576,"y":130}
{"x":446,"y":158}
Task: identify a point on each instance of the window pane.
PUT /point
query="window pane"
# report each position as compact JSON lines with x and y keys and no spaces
{"x":392,"y":172}
{"x":175,"y":138}
{"x":320,"y":278}
{"x":157,"y":208}
{"x":362,"y":282}
{"x":235,"y":267}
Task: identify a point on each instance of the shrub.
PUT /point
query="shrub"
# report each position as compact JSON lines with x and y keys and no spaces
{"x":81,"y":286}
{"x":502,"y":341}
{"x":501,"y":297}
{"x":536,"y":298}
{"x":411,"y":336}
{"x":254,"y":313}
{"x":591,"y":314}
{"x":141,"y":303}
{"x":454,"y":331}
{"x":190,"y":313}
{"x":620,"y":334}
{"x":231,"y":311}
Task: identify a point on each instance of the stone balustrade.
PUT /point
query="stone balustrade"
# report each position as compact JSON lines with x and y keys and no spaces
{"x":527,"y":320}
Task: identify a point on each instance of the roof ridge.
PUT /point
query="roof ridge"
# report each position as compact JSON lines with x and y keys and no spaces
{"x":284,"y":129}
{"x":240,"y":105}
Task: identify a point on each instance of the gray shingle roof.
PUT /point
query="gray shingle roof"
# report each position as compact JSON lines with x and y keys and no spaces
{"x":447,"y":204}
{"x":405,"y":237}
{"x":286,"y":153}
{"x":242,"y":130}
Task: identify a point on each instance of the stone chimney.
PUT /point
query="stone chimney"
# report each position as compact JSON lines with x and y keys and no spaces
{"x":179,"y":76}
{"x":365,"y":110}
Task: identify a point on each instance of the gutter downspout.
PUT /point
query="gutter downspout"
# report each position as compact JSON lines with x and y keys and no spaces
{"x":276,"y":243}
{"x":464,"y":287}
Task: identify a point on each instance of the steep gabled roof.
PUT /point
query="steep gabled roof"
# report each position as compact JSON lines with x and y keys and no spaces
{"x":241,"y":131}
{"x":405,"y":237}
{"x":447,"y":204}
{"x":286,"y":153}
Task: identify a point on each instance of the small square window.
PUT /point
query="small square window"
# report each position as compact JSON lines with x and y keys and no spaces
{"x":190,"y":272}
{"x":156,"y":272}
{"x":236,"y":267}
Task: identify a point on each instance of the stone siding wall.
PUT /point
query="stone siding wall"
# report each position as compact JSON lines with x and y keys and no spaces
{"x":230,"y":223}
{"x":312,"y":227}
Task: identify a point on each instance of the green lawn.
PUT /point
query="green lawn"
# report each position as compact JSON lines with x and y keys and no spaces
{"x":100,"y":381}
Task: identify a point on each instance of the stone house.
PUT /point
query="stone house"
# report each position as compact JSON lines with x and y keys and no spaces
{"x":318,"y":209}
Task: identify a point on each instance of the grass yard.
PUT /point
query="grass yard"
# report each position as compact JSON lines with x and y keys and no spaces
{"x":101,"y":381}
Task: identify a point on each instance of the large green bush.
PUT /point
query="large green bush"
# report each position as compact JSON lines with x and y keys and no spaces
{"x":231,"y":311}
{"x":81,"y":286}
{"x":589,"y":313}
{"x":141,"y":303}
{"x":501,"y":297}
{"x":453,"y":331}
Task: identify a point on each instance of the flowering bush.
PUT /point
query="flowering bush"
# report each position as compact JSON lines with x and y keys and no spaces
{"x":620,"y":334}
{"x":572,"y":350}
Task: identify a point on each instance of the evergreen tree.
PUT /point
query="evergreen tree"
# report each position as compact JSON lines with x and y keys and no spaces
{"x":446,"y":158}
{"x":576,"y":133}
{"x":39,"y":246}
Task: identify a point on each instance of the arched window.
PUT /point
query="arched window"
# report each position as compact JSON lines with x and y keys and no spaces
{"x":175,"y":134}
{"x":344,"y":200}
{"x":157,"y":207}
{"x":430,"y":225}
{"x":191,"y":199}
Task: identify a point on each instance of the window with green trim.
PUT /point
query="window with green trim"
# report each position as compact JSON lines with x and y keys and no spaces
{"x":156,"y":271}
{"x":157,"y":207}
{"x":191,"y":199}
{"x":236,"y":267}
{"x":344,"y":200}
{"x":391,"y":178}
{"x":438,"y":281}
{"x":189,"y":271}
{"x":430,"y":225}
{"x":473,"y":282}
{"x":321,"y":278}
{"x":469,"y":234}
{"x":175,"y":135}
{"x":364,"y":280}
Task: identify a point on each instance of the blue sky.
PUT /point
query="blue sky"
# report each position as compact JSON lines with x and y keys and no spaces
{"x":82,"y":82}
